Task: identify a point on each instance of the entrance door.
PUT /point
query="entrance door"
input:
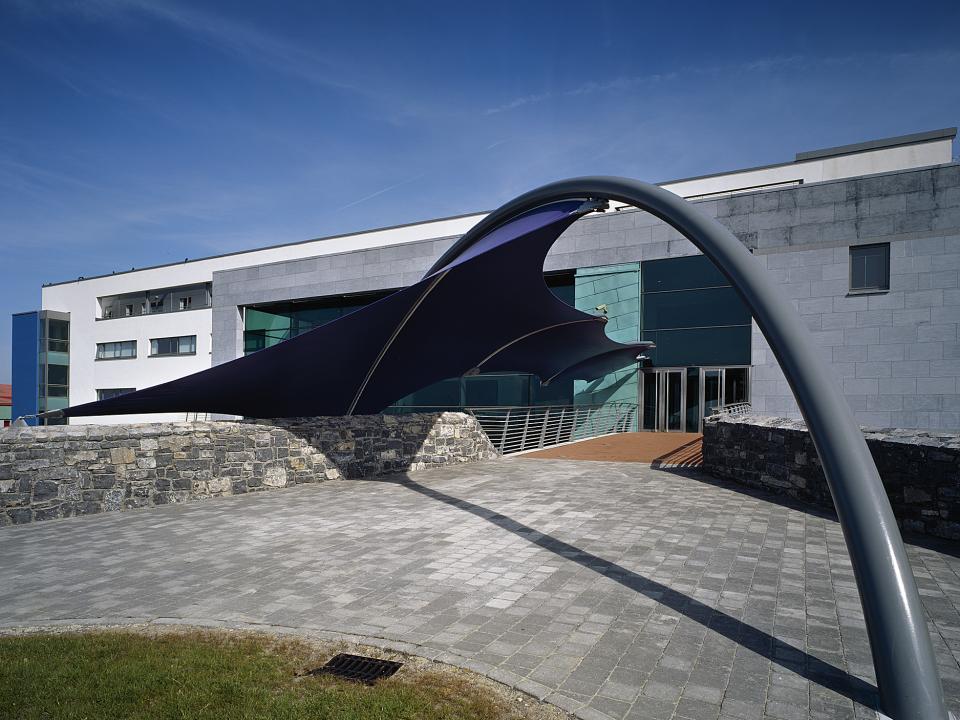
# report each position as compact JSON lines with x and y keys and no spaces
{"x":677,"y":399}
{"x":712,"y":398}
{"x":673,"y":393}
{"x":662,"y":399}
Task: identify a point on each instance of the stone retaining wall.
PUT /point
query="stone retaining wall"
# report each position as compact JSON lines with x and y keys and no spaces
{"x":60,"y":471}
{"x":920,"y":469}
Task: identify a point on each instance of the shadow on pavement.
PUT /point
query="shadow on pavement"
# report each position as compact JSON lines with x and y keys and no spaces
{"x":812,"y":668}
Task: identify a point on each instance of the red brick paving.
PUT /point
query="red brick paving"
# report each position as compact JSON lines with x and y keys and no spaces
{"x":659,"y":449}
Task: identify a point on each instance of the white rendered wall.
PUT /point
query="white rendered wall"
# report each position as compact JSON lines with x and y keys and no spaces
{"x":870,"y":162}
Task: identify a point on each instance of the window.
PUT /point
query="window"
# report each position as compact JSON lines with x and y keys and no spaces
{"x":185,"y":345}
{"x":154,"y":301}
{"x":108,"y":393}
{"x":117,"y":350}
{"x":870,"y":268}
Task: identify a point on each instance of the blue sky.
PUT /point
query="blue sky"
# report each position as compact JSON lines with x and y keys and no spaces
{"x":137,"y":132}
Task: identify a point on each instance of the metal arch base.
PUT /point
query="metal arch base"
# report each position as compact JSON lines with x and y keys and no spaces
{"x":903,"y":656}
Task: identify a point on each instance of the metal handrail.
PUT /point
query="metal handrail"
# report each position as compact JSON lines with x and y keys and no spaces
{"x":514,"y":429}
{"x":732,"y":410}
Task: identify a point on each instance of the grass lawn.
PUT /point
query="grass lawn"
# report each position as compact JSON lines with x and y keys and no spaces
{"x":214,"y":675}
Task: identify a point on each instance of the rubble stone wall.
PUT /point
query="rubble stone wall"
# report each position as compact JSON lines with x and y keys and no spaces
{"x":60,"y":471}
{"x":920,"y":469}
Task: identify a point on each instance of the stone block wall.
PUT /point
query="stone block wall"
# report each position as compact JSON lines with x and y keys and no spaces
{"x":61,"y":471}
{"x":920,"y":469}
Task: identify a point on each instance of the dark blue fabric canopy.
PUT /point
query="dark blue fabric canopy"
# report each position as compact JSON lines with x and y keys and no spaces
{"x":487,"y":309}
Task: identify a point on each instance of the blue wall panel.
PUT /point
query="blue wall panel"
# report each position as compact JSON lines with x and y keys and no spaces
{"x":26,"y":364}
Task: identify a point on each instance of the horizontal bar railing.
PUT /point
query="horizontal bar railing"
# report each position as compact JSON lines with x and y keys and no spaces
{"x":519,"y":428}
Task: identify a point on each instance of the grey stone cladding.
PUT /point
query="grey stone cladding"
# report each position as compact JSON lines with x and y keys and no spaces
{"x":920,"y":469}
{"x":60,"y":471}
{"x":895,"y":354}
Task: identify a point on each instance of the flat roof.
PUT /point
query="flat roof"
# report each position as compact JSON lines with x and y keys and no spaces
{"x":840,"y":150}
{"x":912,"y":139}
{"x":897,"y":141}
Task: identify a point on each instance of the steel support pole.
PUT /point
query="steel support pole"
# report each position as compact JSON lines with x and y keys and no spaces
{"x":903,"y":656}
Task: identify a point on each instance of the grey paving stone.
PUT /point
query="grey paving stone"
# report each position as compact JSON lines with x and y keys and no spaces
{"x":607,"y":588}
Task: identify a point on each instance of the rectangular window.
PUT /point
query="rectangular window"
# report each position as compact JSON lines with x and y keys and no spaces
{"x":185,"y":345}
{"x":157,"y":300}
{"x":870,"y":268}
{"x":108,"y":393}
{"x":117,"y":350}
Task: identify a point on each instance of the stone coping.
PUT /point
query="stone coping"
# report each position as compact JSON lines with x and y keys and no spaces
{"x":93,"y":431}
{"x":931,"y":438}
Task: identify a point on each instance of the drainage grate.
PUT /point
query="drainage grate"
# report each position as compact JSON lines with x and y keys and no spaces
{"x":356,"y":667}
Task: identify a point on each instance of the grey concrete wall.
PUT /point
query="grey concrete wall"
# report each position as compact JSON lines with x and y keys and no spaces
{"x":895,"y":354}
{"x":777,"y":454}
{"x":66,"y":470}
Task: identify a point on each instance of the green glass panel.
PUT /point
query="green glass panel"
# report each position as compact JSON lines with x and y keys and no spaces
{"x":683,"y":273}
{"x":443,"y":394}
{"x":58,"y":329}
{"x":483,"y":390}
{"x":56,"y":391}
{"x":700,"y":346}
{"x":57,"y":403}
{"x":309,"y":318}
{"x":254,"y":319}
{"x":556,"y":393}
{"x":58,"y":374}
{"x":694,"y":308}
{"x":693,"y":399}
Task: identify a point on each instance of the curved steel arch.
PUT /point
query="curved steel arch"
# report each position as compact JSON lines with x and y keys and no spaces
{"x":903,"y":656}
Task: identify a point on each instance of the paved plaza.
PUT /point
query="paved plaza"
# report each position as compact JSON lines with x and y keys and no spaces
{"x":611,"y":589}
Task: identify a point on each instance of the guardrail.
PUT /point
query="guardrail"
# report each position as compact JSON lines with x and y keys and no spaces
{"x":734,"y":410}
{"x":515,"y":429}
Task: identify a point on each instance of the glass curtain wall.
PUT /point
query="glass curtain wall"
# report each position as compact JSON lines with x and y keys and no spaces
{"x":267,"y":325}
{"x":54,"y":390}
{"x":702,"y":331}
{"x":693,"y":314}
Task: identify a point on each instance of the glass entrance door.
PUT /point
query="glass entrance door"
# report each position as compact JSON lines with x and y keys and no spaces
{"x":711,"y":391}
{"x":677,"y":399}
{"x":673,"y":407}
{"x":663,"y":399}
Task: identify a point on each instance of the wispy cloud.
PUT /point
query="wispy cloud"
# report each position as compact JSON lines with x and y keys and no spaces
{"x":380,"y":192}
{"x":520,"y":102}
{"x":588,"y":88}
{"x":629,"y":82}
{"x":240,"y":40}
